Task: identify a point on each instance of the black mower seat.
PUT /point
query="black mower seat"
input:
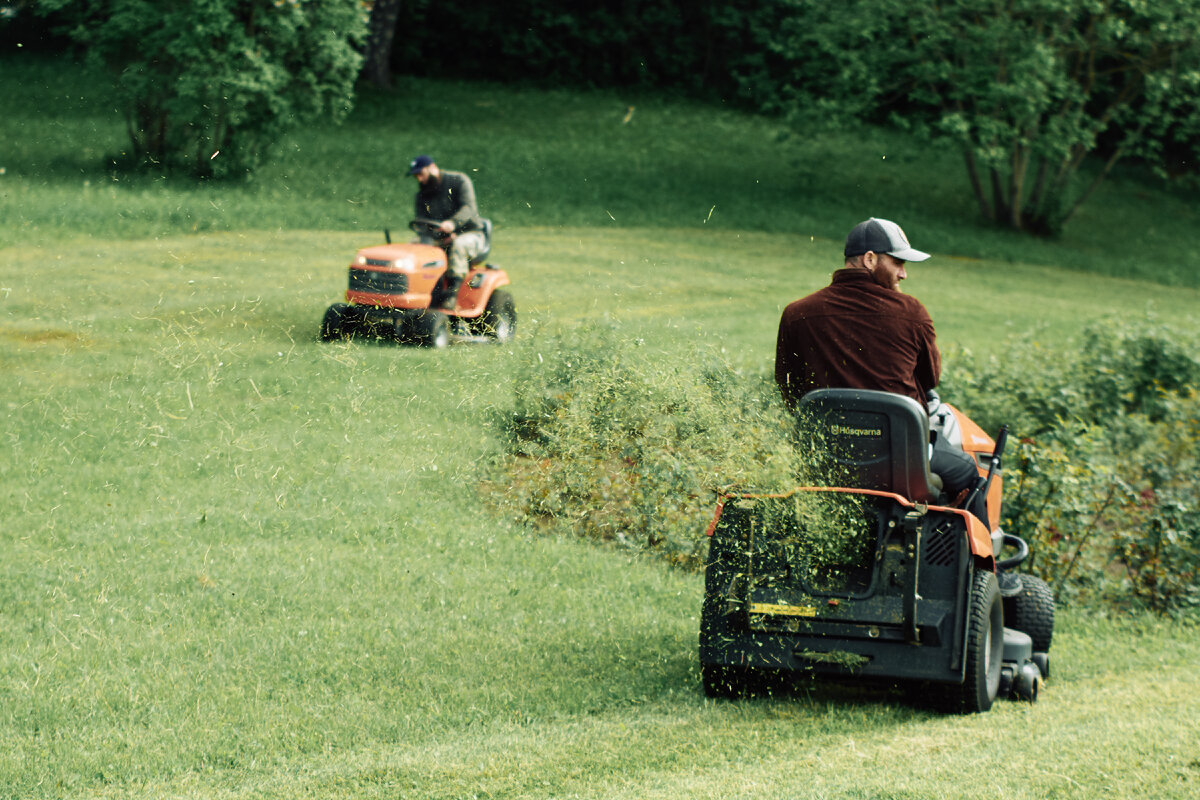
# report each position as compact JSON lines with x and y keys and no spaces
{"x":880,"y":439}
{"x":487,"y":248}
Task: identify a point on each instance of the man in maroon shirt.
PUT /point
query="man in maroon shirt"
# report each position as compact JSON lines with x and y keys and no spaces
{"x":862,"y":332}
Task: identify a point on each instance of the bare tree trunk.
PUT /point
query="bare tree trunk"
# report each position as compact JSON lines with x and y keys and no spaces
{"x":1037,"y":198}
{"x":1016,"y":186}
{"x":381,"y":33}
{"x":976,"y":184}
{"x":999,"y":202}
{"x":1108,"y":165}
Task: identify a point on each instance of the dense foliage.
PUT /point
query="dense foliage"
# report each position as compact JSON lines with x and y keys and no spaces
{"x":1104,"y":481}
{"x":659,"y":43}
{"x":1026,"y":90}
{"x":614,"y":443}
{"x":208,"y":87}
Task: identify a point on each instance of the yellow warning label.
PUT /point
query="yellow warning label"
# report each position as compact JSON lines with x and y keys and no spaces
{"x":789,"y":611}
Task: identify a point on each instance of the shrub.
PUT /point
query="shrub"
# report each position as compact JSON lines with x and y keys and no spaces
{"x":616,"y":441}
{"x":208,"y":87}
{"x":1102,"y":482}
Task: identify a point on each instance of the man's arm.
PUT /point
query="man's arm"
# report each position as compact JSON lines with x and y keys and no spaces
{"x":783,"y":364}
{"x":929,"y":360}
{"x":462,"y":191}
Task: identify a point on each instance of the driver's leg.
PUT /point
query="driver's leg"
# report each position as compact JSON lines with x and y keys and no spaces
{"x":458,"y":257}
{"x":958,"y":472}
{"x":464,"y":248}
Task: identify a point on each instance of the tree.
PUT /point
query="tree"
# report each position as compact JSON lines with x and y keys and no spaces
{"x":1027,"y":89}
{"x":209,"y":86}
{"x":377,"y":63}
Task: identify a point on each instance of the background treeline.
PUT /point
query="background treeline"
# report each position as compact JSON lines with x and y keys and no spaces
{"x":698,"y":47}
{"x":1041,"y":98}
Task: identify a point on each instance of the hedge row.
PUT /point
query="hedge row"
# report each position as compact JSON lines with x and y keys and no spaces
{"x":611,"y":441}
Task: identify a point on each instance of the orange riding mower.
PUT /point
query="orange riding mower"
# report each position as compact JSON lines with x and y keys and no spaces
{"x":876,"y":575}
{"x":399,"y":291}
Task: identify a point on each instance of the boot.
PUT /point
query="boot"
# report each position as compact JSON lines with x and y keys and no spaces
{"x":450,"y":293}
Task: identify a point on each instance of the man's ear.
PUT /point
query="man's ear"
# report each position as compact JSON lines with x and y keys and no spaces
{"x":870,"y":259}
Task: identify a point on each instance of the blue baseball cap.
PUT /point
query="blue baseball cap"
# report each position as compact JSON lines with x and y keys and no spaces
{"x":419,"y":163}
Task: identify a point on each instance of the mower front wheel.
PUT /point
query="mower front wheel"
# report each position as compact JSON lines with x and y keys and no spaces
{"x":1031,"y":611}
{"x":335,"y":324}
{"x":431,"y":329}
{"x":985,"y":645}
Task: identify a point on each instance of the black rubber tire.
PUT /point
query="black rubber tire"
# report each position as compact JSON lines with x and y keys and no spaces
{"x":402,"y":329}
{"x":985,"y":645}
{"x":431,"y":329}
{"x":1031,"y":611}
{"x":724,"y":682}
{"x":334,"y":323}
{"x":499,"y":318}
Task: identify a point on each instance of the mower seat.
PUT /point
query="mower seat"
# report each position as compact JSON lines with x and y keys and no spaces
{"x":487,"y":248}
{"x":879,"y":440}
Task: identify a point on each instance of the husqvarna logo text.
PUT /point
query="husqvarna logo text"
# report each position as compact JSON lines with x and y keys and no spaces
{"x":842,"y":430}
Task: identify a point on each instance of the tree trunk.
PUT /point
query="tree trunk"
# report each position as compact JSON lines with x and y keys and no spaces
{"x":377,"y":67}
{"x":1016,"y":186}
{"x":976,"y":184}
{"x":999,"y":201}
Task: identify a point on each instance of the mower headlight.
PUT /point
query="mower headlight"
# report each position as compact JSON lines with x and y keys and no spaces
{"x":361,"y":261}
{"x":403,"y":263}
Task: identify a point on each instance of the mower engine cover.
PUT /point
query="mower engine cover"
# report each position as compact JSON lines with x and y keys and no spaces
{"x":395,"y":275}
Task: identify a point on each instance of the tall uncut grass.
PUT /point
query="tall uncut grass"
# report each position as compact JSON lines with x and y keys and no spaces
{"x":236,"y":562}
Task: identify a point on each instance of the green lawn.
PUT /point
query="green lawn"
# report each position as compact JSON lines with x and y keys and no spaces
{"x":239,"y":563}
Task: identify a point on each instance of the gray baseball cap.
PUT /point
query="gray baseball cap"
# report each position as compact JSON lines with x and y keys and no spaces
{"x":881,"y":236}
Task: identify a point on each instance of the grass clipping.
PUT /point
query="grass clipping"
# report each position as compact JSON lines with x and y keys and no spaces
{"x":612,"y":440}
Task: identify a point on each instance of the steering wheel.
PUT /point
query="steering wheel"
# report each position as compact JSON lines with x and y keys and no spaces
{"x":428,"y":227}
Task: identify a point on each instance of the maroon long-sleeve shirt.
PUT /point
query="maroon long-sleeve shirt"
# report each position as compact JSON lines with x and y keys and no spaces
{"x":856,"y":334}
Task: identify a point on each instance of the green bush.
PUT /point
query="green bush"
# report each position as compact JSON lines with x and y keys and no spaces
{"x":1103,"y":479}
{"x":612,"y":440}
{"x":1002,"y":83}
{"x":209,"y":87}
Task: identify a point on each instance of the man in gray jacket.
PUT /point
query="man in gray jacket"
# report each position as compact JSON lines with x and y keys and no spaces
{"x":449,"y":198}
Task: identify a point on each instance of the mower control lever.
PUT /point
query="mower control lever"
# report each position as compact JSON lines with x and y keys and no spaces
{"x":1001,"y":441}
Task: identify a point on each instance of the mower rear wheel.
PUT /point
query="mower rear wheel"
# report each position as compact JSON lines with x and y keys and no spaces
{"x":499,"y":318}
{"x":985,"y":645}
{"x":334,"y":324}
{"x":1031,"y":611}
{"x":721,"y":681}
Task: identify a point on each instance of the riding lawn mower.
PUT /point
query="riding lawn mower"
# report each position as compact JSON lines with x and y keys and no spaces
{"x":874,"y":574}
{"x":399,"y":291}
